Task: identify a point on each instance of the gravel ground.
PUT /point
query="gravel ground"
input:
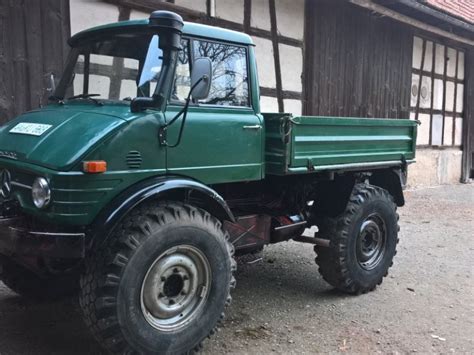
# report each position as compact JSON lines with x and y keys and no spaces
{"x":282,"y":305}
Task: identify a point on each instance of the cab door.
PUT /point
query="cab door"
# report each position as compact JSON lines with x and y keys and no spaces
{"x":222,"y":137}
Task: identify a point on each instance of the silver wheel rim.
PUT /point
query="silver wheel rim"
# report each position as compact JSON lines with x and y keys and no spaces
{"x":371,"y":242}
{"x":175,"y":288}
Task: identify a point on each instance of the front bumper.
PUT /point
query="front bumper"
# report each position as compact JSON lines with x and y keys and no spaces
{"x":19,"y":237}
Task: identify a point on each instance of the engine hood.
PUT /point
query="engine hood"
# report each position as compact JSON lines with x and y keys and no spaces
{"x":57,"y":137}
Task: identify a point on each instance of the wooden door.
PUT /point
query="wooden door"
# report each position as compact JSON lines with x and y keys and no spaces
{"x":32,"y":46}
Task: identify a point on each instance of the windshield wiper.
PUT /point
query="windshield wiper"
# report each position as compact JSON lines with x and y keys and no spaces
{"x":87,"y":97}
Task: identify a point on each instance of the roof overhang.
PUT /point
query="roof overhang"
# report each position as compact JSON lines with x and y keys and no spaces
{"x":422,"y":16}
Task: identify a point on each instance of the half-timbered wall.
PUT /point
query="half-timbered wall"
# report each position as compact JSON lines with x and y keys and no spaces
{"x":276,"y":26}
{"x":330,"y":57}
{"x":438,"y":103}
{"x":32,"y":47}
{"x":361,"y":64}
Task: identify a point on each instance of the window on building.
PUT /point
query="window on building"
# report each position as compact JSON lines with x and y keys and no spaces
{"x":182,"y":78}
{"x":437,"y":92}
{"x":229,"y":73}
{"x":113,"y":69}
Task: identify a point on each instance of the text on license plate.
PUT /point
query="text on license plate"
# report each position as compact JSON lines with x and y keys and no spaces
{"x":33,"y":129}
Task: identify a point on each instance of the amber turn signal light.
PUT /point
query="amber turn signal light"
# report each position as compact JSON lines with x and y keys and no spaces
{"x":94,"y":167}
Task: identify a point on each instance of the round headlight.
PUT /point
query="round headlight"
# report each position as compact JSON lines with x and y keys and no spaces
{"x":41,"y":192}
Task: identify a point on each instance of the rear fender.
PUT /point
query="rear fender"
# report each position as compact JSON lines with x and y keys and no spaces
{"x":392,"y":180}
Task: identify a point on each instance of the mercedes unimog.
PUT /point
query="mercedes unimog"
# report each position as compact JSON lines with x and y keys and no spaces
{"x":153,"y":165}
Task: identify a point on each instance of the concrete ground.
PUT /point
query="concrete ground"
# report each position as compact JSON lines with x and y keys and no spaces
{"x":282,"y":305}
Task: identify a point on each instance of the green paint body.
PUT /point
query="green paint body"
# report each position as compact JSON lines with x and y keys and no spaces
{"x":216,"y":147}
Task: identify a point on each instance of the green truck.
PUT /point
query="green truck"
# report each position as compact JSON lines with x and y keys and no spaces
{"x":153,"y":166}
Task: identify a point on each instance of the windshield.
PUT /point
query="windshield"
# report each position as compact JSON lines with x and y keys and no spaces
{"x":113,"y":67}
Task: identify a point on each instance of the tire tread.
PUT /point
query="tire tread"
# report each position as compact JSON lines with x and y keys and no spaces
{"x":98,"y":293}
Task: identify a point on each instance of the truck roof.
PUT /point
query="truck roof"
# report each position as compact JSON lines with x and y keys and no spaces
{"x":190,"y":28}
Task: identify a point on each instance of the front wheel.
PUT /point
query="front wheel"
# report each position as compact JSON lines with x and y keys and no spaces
{"x":160,"y":283}
{"x":362,"y":239}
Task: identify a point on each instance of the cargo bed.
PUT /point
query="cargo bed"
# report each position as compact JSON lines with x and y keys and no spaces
{"x":310,"y":143}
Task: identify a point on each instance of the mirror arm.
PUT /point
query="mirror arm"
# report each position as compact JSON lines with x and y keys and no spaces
{"x":184,"y":111}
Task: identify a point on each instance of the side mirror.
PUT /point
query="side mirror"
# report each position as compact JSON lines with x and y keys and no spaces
{"x":202,"y":68}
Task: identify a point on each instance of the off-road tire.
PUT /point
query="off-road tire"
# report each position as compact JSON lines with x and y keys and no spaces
{"x":110,"y":291}
{"x":339,"y":263}
{"x":30,"y":285}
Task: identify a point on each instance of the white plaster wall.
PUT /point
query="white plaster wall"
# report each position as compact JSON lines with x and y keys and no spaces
{"x":435,"y":167}
{"x":439,"y":60}
{"x":293,"y":107}
{"x":232,"y":10}
{"x":268,"y":104}
{"x":423,"y":137}
{"x":461,"y":66}
{"x":137,"y":15}
{"x":260,"y":17}
{"x":290,"y":18}
{"x":458,"y":133}
{"x":451,"y":67}
{"x":90,"y":13}
{"x":290,"y":21}
{"x":265,"y":62}
{"x":291,"y":59}
{"x":417,"y":51}
{"x":198,"y":5}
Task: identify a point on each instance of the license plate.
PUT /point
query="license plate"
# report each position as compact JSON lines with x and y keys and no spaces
{"x":32,"y":129}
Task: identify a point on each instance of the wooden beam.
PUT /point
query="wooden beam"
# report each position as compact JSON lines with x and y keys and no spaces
{"x":420,"y":82}
{"x":455,"y":98}
{"x":437,"y":112}
{"x":247,"y":15}
{"x":106,"y":70}
{"x":118,"y":63}
{"x":287,"y":94}
{"x":152,"y":5}
{"x":444,"y":91}
{"x":204,"y":18}
{"x":433,"y":66}
{"x":439,"y":76}
{"x":468,"y":119}
{"x":276,"y":55}
{"x":208,"y":8}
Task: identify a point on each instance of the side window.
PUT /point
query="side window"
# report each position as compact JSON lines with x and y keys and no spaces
{"x":229,"y":73}
{"x":182,"y":79}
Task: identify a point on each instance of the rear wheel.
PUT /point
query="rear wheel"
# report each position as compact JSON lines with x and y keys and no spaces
{"x":159,"y":284}
{"x":362,"y":239}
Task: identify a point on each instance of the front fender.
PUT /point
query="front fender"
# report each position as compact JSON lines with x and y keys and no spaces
{"x":163,"y":187}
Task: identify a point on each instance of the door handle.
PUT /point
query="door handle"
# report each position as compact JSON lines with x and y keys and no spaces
{"x":256,"y":127}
